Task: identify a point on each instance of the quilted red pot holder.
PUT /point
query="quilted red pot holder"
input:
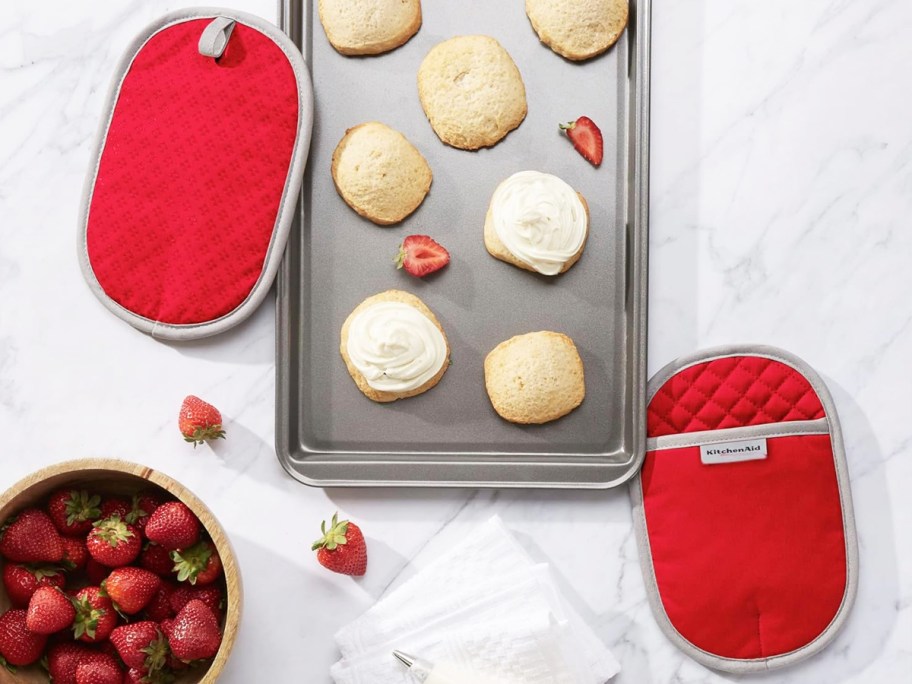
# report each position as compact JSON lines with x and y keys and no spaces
{"x":742,"y":509}
{"x":196,"y":172}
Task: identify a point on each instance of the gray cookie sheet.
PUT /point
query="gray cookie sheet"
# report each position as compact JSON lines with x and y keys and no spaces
{"x":327,"y":432}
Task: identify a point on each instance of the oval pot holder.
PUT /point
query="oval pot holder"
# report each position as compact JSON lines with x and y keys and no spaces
{"x":742,"y":509}
{"x":196,"y":172}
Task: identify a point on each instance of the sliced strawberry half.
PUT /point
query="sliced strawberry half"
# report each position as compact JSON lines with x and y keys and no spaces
{"x":587,"y":139}
{"x":420,"y":255}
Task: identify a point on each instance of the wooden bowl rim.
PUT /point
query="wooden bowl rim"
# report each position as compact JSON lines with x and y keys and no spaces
{"x":234,"y":590}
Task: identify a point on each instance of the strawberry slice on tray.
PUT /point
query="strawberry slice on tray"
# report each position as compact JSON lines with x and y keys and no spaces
{"x":586,"y":138}
{"x":420,"y":255}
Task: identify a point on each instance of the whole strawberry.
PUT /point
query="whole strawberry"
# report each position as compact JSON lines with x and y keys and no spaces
{"x":199,"y":421}
{"x":49,"y":611}
{"x":31,"y":537}
{"x":62,"y":660}
{"x":198,"y":564}
{"x":173,"y":526}
{"x":95,"y":615}
{"x":195,"y":633}
{"x":159,"y":607}
{"x":98,"y":668}
{"x":75,"y":554}
{"x":141,"y":645}
{"x":21,"y":582}
{"x":18,"y":646}
{"x":131,"y":588}
{"x":74,"y":510}
{"x":211,"y":595}
{"x":342,"y":548}
{"x":157,"y":559}
{"x":113,"y":542}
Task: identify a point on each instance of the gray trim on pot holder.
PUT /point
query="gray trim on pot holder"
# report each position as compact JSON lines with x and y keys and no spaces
{"x":735,"y":665}
{"x":293,"y":180}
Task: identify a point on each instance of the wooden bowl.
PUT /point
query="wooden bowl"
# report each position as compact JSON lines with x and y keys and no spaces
{"x":108,"y":476}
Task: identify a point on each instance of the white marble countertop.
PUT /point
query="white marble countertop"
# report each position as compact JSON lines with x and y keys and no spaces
{"x":781,"y":197}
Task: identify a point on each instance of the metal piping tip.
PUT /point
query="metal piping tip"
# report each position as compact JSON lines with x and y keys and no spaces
{"x":404,"y":658}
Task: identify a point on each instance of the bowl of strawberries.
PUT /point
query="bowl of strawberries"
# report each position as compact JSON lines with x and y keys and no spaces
{"x":113,"y":573}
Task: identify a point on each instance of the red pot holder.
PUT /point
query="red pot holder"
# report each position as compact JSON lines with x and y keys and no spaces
{"x":742,"y":509}
{"x":196,"y":172}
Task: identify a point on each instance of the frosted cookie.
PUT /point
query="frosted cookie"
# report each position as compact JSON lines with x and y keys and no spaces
{"x":379,"y":173}
{"x":537,"y":222}
{"x":394,"y":346}
{"x":535,"y":378}
{"x":369,"y":27}
{"x":578,"y":29}
{"x":471,"y":91}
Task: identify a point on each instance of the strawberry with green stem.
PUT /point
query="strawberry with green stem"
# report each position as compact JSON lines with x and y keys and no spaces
{"x":22,"y":581}
{"x":342,"y":548}
{"x":199,"y":421}
{"x":74,"y":510}
{"x":141,"y":645}
{"x":113,"y":542}
{"x":198,"y":564}
{"x":95,"y":615}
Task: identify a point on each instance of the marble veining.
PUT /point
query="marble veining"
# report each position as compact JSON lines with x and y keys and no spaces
{"x":781,"y":191}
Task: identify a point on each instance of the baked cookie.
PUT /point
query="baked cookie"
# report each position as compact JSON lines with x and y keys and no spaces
{"x":471,"y":91}
{"x":535,"y":378}
{"x":379,"y":173}
{"x":394,"y":346}
{"x":578,"y":29}
{"x":537,"y":222}
{"x":369,"y":27}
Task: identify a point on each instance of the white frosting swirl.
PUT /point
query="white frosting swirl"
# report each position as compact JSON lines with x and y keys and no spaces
{"x":395,"y":346}
{"x":540,"y":219}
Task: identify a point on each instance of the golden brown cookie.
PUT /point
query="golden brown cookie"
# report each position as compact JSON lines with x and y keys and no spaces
{"x":379,"y":173}
{"x":535,"y":378}
{"x":471,"y":91}
{"x":578,"y":29}
{"x":369,"y":27}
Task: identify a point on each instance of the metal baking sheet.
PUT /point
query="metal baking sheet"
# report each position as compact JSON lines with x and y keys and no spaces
{"x":327,"y":432}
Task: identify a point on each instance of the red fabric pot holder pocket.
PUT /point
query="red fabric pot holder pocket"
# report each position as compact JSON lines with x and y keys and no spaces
{"x":742,"y":509}
{"x":196,"y":172}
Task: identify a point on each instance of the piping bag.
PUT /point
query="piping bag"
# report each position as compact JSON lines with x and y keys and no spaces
{"x":427,"y":673}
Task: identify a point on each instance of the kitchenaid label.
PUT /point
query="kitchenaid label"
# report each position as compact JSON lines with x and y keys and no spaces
{"x":732,"y":452}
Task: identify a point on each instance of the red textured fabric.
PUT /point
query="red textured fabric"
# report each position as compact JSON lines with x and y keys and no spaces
{"x":749,"y":557}
{"x":192,"y":174}
{"x":731,"y":392}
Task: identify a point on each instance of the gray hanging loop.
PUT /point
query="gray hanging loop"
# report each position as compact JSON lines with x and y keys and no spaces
{"x":214,"y":39}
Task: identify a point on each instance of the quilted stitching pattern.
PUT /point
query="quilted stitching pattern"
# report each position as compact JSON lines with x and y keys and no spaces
{"x":192,"y":174}
{"x":731,"y":392}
